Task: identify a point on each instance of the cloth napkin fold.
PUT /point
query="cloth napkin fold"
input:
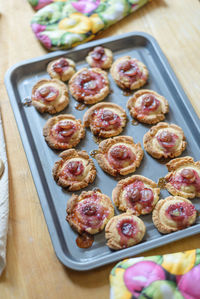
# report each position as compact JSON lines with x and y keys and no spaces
{"x":65,"y":24}
{"x":4,"y":201}
{"x":168,"y":276}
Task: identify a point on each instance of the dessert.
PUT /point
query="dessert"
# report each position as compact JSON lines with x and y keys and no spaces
{"x":147,"y":106}
{"x":100,"y":57}
{"x":129,"y":73}
{"x":119,"y":155}
{"x":136,"y":193}
{"x":89,"y":212}
{"x":183,"y":178}
{"x":164,"y":140}
{"x":75,"y":170}
{"x":89,"y":85}
{"x":63,"y":131}
{"x":61,"y":69}
{"x":105,"y":119}
{"x":124,"y":230}
{"x":50,"y":96}
{"x":173,"y":213}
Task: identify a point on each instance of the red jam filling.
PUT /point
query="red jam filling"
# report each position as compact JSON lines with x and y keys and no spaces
{"x":121,"y":155}
{"x":63,"y":130}
{"x":72,"y":169}
{"x":88,"y":83}
{"x":47,"y":94}
{"x":138,"y":193}
{"x":60,"y":66}
{"x":187,"y":177}
{"x":98,"y":56}
{"x":167,"y":139}
{"x":106,"y":119}
{"x":131,"y":70}
{"x":90,"y":213}
{"x":149,"y":104}
{"x":180,"y":212}
{"x":127,"y":229}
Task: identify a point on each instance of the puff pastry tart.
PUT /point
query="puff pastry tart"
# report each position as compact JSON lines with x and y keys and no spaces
{"x":50,"y":96}
{"x":129,"y":73}
{"x":173,"y":213}
{"x":183,"y":178}
{"x":63,"y":131}
{"x":119,"y":155}
{"x":61,"y":69}
{"x":124,"y":231}
{"x":89,"y":212}
{"x":75,"y":170}
{"x":89,"y":85}
{"x":136,"y":193}
{"x":164,"y":140}
{"x":105,"y":119}
{"x":147,"y":106}
{"x":100,"y":57}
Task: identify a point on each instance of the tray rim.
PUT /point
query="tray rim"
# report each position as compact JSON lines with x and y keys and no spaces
{"x":115,"y":256}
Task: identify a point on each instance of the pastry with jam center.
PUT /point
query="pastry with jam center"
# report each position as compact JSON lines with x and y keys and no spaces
{"x":50,"y":96}
{"x":61,"y":69}
{"x":75,"y":170}
{"x":164,"y":141}
{"x":183,"y":178}
{"x":129,"y":73}
{"x":119,"y":155}
{"x":124,"y":231}
{"x":63,"y":131}
{"x":89,"y":85}
{"x":137,"y":194}
{"x":89,"y":212}
{"x":173,"y":213}
{"x":100,"y":57}
{"x":147,"y":106}
{"x":105,"y":119}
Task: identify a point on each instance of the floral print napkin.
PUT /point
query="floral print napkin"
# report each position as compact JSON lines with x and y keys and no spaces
{"x":65,"y":24}
{"x":170,"y":276}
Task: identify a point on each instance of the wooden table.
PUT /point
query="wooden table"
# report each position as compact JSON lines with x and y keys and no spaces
{"x":33,"y":270}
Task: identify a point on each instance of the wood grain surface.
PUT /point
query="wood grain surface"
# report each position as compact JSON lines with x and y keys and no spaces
{"x":33,"y":270}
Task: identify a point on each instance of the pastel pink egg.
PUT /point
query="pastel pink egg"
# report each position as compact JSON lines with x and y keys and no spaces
{"x":141,"y":275}
{"x":189,"y":283}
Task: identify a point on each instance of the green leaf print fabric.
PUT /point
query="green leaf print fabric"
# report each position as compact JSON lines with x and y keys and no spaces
{"x":65,"y":24}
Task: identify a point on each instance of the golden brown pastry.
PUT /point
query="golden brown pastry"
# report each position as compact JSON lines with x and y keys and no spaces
{"x":100,"y":57}
{"x":75,"y":170}
{"x":136,"y":193}
{"x":89,"y":212}
{"x":63,"y":131}
{"x":89,"y":85}
{"x":164,"y":140}
{"x":147,"y":106}
{"x":129,"y":73}
{"x":105,"y":119}
{"x":61,"y":68}
{"x":50,"y":96}
{"x":119,"y":155}
{"x":173,"y":213}
{"x":124,"y":231}
{"x":183,"y":178}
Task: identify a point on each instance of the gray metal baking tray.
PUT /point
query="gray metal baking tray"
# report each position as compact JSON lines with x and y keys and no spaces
{"x":19,"y":81}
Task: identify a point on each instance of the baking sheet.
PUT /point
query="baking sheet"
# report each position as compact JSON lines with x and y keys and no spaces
{"x":19,"y":81}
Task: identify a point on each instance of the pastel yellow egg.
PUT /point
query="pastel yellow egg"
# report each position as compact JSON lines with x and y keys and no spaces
{"x":97,"y":23}
{"x":179,"y":263}
{"x":76,"y":23}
